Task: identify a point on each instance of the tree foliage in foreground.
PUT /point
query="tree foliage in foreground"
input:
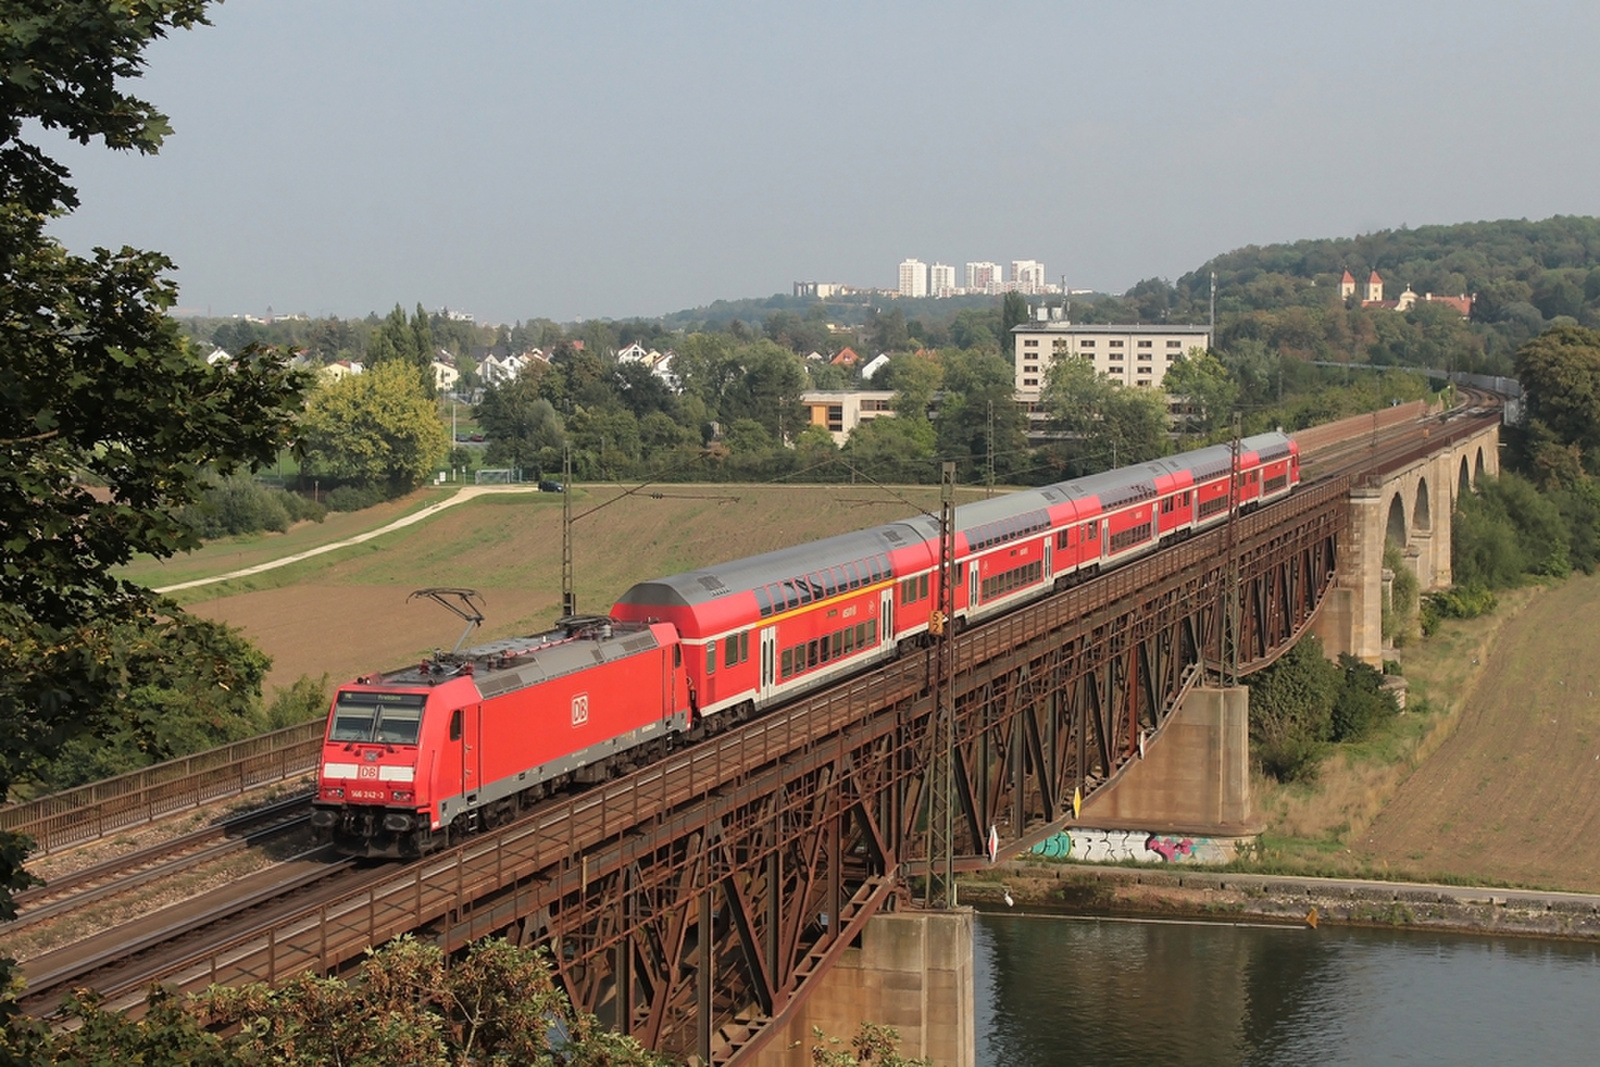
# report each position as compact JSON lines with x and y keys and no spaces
{"x":408,"y":1004}
{"x":112,"y":422}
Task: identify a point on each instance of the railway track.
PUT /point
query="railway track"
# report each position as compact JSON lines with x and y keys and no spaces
{"x":70,"y":892}
{"x":170,"y":944}
{"x":121,"y":962}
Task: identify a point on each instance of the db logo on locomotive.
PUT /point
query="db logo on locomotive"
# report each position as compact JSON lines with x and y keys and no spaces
{"x":580,"y":709}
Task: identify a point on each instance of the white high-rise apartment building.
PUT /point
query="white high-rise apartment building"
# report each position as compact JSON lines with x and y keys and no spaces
{"x":941,"y":280}
{"x":1137,"y":356}
{"x":1027,"y":276}
{"x":913,"y":278}
{"x":984,"y":278}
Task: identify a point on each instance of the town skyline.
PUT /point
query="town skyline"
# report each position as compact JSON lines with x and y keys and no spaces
{"x":337,"y":160}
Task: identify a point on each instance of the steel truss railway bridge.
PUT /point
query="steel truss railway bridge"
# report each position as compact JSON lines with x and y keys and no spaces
{"x":694,"y":902}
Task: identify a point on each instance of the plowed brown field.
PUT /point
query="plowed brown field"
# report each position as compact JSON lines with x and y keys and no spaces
{"x":1514,"y":794}
{"x":346,"y":613}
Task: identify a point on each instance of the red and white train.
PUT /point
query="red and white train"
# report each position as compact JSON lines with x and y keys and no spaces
{"x":418,"y":756}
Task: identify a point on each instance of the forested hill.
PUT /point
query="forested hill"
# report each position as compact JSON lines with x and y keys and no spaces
{"x":1523,"y":276}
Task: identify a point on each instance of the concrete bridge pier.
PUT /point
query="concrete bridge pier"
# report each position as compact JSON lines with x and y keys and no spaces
{"x":1351,"y":619}
{"x":1195,"y":780}
{"x":911,"y":971}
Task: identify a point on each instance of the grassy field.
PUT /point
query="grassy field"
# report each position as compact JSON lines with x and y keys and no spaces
{"x":346,"y":612}
{"x":1492,"y":776}
{"x":1495,"y":776}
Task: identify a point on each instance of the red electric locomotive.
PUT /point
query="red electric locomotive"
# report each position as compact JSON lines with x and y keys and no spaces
{"x":415,"y":756}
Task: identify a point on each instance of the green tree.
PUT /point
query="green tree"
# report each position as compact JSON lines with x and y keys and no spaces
{"x":1103,"y":424}
{"x":187,"y":684}
{"x":893,"y":450}
{"x":887,"y":331}
{"x":768,"y":390}
{"x":747,"y":437}
{"x":1291,"y":710}
{"x":99,"y":385}
{"x":1560,"y":374}
{"x":1013,"y":313}
{"x":375,"y":429}
{"x":978,"y":389}
{"x":914,"y":379}
{"x":519,"y":424}
{"x":1209,"y":392}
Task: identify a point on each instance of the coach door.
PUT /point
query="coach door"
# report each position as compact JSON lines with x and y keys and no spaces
{"x":886,"y":616}
{"x":769,"y":660}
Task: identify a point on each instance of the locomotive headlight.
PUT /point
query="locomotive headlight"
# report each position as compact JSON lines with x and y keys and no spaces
{"x":402,"y":795}
{"x":334,"y":793}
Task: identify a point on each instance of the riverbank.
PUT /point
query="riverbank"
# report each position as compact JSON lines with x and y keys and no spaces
{"x":1197,"y":894}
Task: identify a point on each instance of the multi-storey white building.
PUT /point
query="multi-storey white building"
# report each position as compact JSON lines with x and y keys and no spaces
{"x":984,"y":278}
{"x":941,"y":280}
{"x":913,"y":278}
{"x":1128,"y":355}
{"x":1027,"y":276}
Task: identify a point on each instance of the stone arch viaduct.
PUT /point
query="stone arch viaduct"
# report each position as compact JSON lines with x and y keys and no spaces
{"x":1409,"y":507}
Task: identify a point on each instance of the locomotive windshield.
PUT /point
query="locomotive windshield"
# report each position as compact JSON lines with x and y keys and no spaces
{"x":387,"y":718}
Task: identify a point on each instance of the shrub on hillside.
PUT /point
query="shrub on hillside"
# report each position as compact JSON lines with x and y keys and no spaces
{"x":355,"y":497}
{"x":241,"y":505}
{"x":1399,"y":622}
{"x":1462,"y":602}
{"x":1362,"y":702}
{"x":305,"y":700}
{"x":1291,"y":711}
{"x":1508,"y":529}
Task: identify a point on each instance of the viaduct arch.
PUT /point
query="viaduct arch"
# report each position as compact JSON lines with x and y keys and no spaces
{"x":1411,"y":508}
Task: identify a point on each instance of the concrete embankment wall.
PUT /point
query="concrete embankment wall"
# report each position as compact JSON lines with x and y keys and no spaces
{"x":1206,"y":895}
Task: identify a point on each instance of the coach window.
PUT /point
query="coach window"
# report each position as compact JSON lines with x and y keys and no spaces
{"x":849,"y":639}
{"x":677,"y":655}
{"x":711,"y":657}
{"x":811,"y":654}
{"x":730,"y":650}
{"x":788,"y":662}
{"x":763,"y":600}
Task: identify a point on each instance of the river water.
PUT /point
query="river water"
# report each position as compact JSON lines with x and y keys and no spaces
{"x":1053,"y":990}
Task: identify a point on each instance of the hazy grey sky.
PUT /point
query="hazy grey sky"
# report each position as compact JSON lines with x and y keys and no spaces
{"x":517,"y":159}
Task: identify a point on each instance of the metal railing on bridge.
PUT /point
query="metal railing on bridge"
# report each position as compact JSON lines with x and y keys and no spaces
{"x":100,"y":809}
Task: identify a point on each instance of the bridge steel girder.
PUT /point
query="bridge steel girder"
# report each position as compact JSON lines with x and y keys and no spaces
{"x":696,"y":927}
{"x":1058,"y":697}
{"x":689,"y":902}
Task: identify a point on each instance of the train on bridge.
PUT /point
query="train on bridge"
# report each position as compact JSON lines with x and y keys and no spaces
{"x":417,"y":757}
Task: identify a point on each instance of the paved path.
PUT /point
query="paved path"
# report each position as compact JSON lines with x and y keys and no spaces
{"x":458,"y":497}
